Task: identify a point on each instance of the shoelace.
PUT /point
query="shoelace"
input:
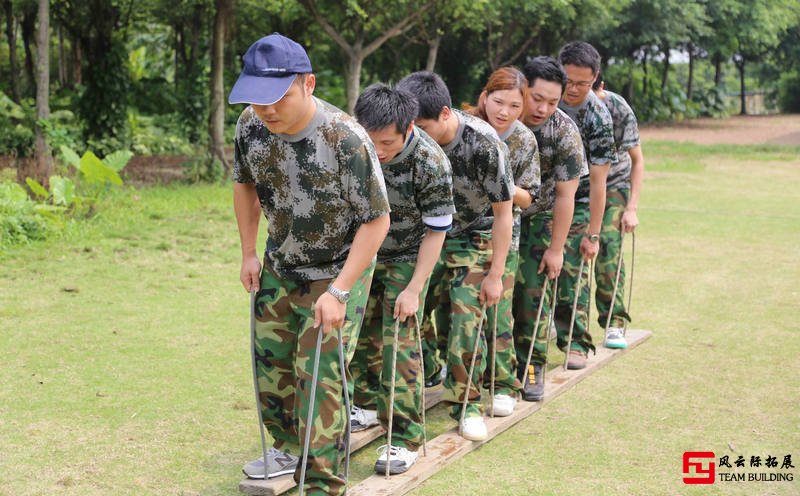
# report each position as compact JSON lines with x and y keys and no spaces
{"x":531,"y":375}
{"x":393,"y":450}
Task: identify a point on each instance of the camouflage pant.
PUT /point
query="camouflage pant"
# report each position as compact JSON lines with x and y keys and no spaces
{"x":454,"y":292}
{"x":535,"y":239}
{"x":605,"y":268}
{"x":372,"y":364}
{"x":285,"y":348}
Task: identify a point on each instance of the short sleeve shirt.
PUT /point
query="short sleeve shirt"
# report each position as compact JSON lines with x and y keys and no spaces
{"x":480,"y":174}
{"x":561,"y":158}
{"x":316,"y":188}
{"x":626,"y":136}
{"x":523,"y":160}
{"x":597,"y":131}
{"x":419,"y":183}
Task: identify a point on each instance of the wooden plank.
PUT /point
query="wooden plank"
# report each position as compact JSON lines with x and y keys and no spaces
{"x":449,"y":447}
{"x":279,"y":485}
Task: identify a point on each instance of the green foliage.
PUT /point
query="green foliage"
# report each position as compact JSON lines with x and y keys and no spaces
{"x":789,"y":92}
{"x":20,"y":219}
{"x":203,"y":168}
{"x":158,"y":135}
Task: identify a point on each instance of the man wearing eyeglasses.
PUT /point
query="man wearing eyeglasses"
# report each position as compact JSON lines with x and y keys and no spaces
{"x":582,"y":63}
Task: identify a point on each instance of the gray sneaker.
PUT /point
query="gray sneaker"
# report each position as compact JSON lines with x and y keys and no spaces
{"x":615,"y":338}
{"x":278,"y":463}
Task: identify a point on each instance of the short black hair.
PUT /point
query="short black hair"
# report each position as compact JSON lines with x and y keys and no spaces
{"x":581,"y":54}
{"x":597,"y":81}
{"x":380,"y":106}
{"x":546,"y":69}
{"x":429,"y":90}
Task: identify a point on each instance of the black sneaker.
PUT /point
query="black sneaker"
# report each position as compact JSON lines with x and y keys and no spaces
{"x":533,"y":385}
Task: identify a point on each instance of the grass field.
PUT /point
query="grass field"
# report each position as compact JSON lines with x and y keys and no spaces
{"x":124,"y":365}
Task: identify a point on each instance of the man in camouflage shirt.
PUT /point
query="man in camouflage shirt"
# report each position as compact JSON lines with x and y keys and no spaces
{"x":313,"y":172}
{"x":622,"y":199}
{"x":546,"y":223}
{"x":581,"y":63}
{"x":473,"y":258}
{"x":420,"y":189}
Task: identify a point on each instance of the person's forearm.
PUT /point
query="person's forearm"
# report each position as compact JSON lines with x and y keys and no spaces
{"x":247,"y":210}
{"x":428,"y":255}
{"x":522,"y":198}
{"x":597,"y":196}
{"x":563,"y":209}
{"x":501,"y":237}
{"x":366,"y":242}
{"x":637,"y":175}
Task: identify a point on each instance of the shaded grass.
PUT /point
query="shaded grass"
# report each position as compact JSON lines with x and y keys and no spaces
{"x":124,"y":359}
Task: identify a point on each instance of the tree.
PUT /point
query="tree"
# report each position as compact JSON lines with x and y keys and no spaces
{"x":216,"y":117}
{"x":11,"y":37}
{"x":361,"y":28}
{"x":44,"y":160}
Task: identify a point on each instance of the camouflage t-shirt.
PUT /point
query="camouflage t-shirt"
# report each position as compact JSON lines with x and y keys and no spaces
{"x":561,"y":158}
{"x":626,"y":136}
{"x":597,"y":131}
{"x":523,"y":160}
{"x":316,"y":188}
{"x":480,"y":175}
{"x":419,"y":184}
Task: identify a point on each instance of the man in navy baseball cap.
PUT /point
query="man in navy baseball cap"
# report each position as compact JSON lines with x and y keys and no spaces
{"x":270,"y":67}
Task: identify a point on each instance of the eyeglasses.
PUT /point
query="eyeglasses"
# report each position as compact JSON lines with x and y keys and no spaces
{"x":579,"y":84}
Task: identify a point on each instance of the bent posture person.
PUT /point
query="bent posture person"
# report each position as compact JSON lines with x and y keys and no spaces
{"x":623,"y":186}
{"x":315,"y":175}
{"x":473,"y":259}
{"x":420,"y":188}
{"x":546,"y":223}
{"x":501,"y":104}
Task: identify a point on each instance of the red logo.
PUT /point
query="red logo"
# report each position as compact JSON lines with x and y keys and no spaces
{"x":702,"y":475}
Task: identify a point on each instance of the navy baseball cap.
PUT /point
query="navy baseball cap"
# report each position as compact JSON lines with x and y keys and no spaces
{"x":270,"y":67}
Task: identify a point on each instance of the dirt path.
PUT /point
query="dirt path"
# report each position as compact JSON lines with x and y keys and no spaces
{"x":745,"y":130}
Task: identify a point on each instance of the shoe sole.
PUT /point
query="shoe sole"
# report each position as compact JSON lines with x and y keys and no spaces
{"x":616,"y":346}
{"x":272,"y":475}
{"x":380,"y":468}
{"x":361,"y":427}
{"x":571,"y":366}
{"x":483,"y":438}
{"x":532,"y":398}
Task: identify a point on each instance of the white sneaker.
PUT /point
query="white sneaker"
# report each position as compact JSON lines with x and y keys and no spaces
{"x":503,"y":405}
{"x":278,"y":463}
{"x":615,"y":338}
{"x":474,"y":429}
{"x":400,"y":460}
{"x":361,"y":419}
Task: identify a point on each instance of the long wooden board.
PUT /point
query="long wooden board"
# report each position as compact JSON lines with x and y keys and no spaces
{"x":278,"y":485}
{"x":449,"y":447}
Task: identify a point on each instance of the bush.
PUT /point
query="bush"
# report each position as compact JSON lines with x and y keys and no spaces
{"x":21,"y":219}
{"x":788,"y":94}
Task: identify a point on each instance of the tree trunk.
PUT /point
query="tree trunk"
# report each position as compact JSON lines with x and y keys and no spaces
{"x":717,"y":70}
{"x":44,"y":160}
{"x":352,"y":76}
{"x":11,"y":36}
{"x":690,"y":80}
{"x":433,"y":52}
{"x":743,"y":99}
{"x":645,"y":78}
{"x":76,"y":75}
{"x":629,"y":86}
{"x":62,"y":66}
{"x":665,"y":74}
{"x":28,"y":30}
{"x":216,"y":116}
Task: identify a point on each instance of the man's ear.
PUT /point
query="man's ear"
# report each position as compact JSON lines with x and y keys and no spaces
{"x":310,"y":84}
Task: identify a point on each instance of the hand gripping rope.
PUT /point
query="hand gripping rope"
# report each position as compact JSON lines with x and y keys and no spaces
{"x":471,"y":370}
{"x":255,"y":379}
{"x":538,"y":320}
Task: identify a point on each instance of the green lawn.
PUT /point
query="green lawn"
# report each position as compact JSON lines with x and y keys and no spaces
{"x":124,"y":349}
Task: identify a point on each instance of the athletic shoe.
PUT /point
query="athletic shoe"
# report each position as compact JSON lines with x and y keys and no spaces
{"x":503,"y":405}
{"x":474,"y":429}
{"x":615,"y":338}
{"x":400,"y":460}
{"x":533,"y":385}
{"x":278,"y":463}
{"x":361,"y":419}
{"x":437,"y":378}
{"x":576,"y":360}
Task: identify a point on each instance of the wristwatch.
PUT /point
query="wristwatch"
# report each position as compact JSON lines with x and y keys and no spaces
{"x":340,"y":295}
{"x":594,"y":238}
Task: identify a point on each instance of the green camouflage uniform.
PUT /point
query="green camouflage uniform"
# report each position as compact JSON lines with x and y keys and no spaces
{"x":562,"y":159}
{"x":316,"y":188}
{"x":626,"y":136}
{"x":523,"y":159}
{"x":597,"y":132}
{"x":419,"y":184}
{"x":480,"y":178}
